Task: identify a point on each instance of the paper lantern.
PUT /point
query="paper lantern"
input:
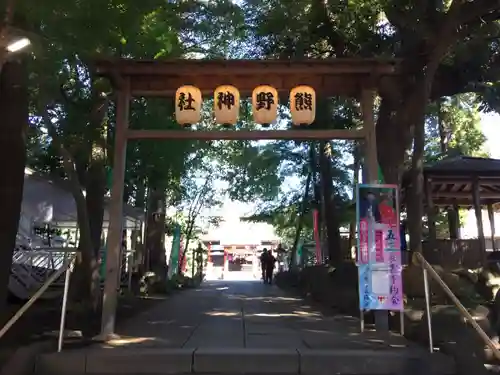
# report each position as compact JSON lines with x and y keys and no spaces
{"x":226,"y":105}
{"x":265,"y":104}
{"x":188,"y":105}
{"x":303,"y":105}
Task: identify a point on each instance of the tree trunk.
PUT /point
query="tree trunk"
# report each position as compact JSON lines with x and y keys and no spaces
{"x":392,"y":143}
{"x":332,"y":222}
{"x":87,"y":276}
{"x":189,"y":234}
{"x":443,"y":145}
{"x":85,"y":283}
{"x":14,"y":111}
{"x":95,"y":191}
{"x":454,"y":223}
{"x":155,"y":235}
{"x":416,"y":193}
{"x":316,"y":185}
{"x":300,"y":221}
{"x":404,"y":108}
{"x":441,"y":127}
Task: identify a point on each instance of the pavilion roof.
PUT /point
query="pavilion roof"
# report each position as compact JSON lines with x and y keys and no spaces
{"x":464,"y":166}
{"x":451,"y":181}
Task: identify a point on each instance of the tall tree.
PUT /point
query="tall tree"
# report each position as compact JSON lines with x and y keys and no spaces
{"x":14,"y":109}
{"x":443,"y":50}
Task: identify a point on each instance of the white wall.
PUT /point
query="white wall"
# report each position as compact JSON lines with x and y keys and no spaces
{"x":233,"y":231}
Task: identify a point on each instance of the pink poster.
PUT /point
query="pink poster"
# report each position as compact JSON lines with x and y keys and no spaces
{"x":379,"y":252}
{"x":379,"y":246}
{"x":363,"y":242}
{"x":389,"y":217}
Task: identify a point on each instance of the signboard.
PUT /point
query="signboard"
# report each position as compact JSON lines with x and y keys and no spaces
{"x":379,"y":248}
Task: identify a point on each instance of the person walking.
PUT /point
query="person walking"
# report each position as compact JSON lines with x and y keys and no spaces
{"x":271,"y":263}
{"x":264,"y":259}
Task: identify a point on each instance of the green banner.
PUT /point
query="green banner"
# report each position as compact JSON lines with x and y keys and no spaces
{"x":173,"y":264}
{"x":299,"y":259}
{"x":380,"y":176}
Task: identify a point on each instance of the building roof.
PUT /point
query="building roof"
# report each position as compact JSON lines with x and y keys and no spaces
{"x":465,"y":166}
{"x":451,"y":181}
{"x":42,"y":192}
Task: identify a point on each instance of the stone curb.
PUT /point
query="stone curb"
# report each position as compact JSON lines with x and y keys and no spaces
{"x":22,"y":361}
{"x":237,"y":361}
{"x":243,"y":361}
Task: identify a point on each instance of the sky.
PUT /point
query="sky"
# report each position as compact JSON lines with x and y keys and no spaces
{"x":490,"y":124}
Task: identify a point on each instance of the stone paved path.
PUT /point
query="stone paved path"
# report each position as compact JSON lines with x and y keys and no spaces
{"x":246,"y":314}
{"x":244,"y":327}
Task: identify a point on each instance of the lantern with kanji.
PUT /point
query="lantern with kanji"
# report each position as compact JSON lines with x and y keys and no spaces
{"x":265,"y":105}
{"x":303,"y":105}
{"x":226,"y":105}
{"x":188,"y":105}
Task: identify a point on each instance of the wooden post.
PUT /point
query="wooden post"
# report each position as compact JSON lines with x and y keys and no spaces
{"x":479,"y":217}
{"x":453,"y":222}
{"x":491,"y":216}
{"x":456,"y":210}
{"x":431,"y":213}
{"x":371,"y":161}
{"x":113,"y":251}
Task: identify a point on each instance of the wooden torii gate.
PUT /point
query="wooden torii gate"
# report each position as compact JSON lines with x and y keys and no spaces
{"x":348,"y":77}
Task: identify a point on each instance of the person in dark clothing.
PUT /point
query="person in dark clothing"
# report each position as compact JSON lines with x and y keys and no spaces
{"x":263,"y":264}
{"x":402,"y":236}
{"x":369,"y":203}
{"x":271,"y":262}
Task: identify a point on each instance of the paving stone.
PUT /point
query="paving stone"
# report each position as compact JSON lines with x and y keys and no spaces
{"x":246,"y":361}
{"x":245,"y":328}
{"x":146,"y":361}
{"x":64,"y":363}
{"x":371,"y":362}
{"x":22,"y":360}
{"x":289,"y":341}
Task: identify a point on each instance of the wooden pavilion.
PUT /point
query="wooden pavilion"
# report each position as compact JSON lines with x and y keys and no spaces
{"x":461,"y":182}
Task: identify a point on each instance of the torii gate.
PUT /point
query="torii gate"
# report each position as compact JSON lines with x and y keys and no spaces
{"x":351,"y":77}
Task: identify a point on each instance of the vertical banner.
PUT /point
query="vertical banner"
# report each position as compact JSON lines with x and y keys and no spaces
{"x":173,"y":265}
{"x":299,"y":259}
{"x":379,"y":248}
{"x":183,"y":251}
{"x":317,"y":240}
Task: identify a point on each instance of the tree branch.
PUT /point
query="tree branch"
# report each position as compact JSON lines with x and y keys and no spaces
{"x":479,"y":10}
{"x":445,"y":37}
{"x":8,"y":17}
